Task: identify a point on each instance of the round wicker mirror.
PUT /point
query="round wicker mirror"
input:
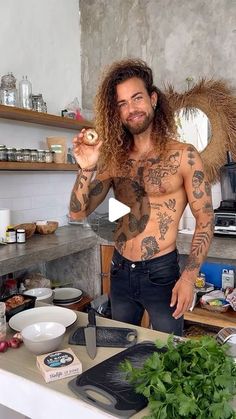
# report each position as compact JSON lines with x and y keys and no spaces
{"x":217,"y":100}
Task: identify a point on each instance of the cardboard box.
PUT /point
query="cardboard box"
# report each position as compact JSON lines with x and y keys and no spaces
{"x":59,"y":364}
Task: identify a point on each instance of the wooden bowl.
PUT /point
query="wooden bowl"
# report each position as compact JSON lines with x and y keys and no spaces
{"x":48,"y":228}
{"x":28,"y":227}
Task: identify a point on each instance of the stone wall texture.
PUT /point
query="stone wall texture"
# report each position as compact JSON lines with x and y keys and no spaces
{"x":177,"y":38}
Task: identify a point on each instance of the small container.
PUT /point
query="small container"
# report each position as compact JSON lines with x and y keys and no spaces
{"x":26,"y":155}
{"x":3,"y":322}
{"x":8,"y":90}
{"x":10,"y":235}
{"x":11,"y":285}
{"x":41,"y":156}
{"x":38,"y":103}
{"x":33,"y":155}
{"x":11,"y":154}
{"x":48,"y":156}
{"x":19,"y":154}
{"x":227,"y":278}
{"x":20,"y":235}
{"x":3,"y":152}
{"x":45,"y":109}
{"x":200,"y":280}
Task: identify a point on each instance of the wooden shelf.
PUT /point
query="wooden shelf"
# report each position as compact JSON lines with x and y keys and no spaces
{"x":24,"y":115}
{"x":203,"y":316}
{"x":37,"y":166}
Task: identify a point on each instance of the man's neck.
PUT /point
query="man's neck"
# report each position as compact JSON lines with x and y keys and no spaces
{"x":142,"y":143}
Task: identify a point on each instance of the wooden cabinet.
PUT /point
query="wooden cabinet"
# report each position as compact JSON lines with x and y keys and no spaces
{"x":106,"y":257}
{"x":24,"y":115}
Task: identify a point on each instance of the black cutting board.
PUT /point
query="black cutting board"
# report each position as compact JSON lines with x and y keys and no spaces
{"x":107,"y":380}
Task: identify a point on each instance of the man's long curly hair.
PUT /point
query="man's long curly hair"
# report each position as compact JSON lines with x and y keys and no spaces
{"x":117,"y":140}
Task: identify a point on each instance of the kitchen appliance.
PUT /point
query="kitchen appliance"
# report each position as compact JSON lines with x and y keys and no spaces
{"x":90,"y":334}
{"x":107,"y":380}
{"x":225,"y":215}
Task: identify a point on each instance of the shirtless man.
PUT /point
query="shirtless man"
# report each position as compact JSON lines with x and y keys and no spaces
{"x":156,"y":176}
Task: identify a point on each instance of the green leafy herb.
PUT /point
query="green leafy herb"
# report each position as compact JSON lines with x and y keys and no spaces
{"x":194,"y":379}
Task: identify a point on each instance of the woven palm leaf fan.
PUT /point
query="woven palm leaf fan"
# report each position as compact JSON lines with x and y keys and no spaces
{"x":218,"y":101}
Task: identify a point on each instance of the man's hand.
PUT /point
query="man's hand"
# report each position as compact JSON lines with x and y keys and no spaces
{"x":182,"y":296}
{"x":85,"y":155}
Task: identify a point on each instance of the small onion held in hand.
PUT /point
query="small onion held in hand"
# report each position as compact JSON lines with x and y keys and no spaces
{"x":90,"y":137}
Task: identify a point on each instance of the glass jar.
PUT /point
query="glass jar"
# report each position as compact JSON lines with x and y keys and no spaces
{"x":3,"y":152}
{"x":8,"y":90}
{"x":3,"y":323}
{"x":19,"y":154}
{"x":10,"y":234}
{"x":20,"y":235}
{"x":26,"y":155}
{"x":38,"y":103}
{"x":45,"y":109}
{"x":11,"y":154}
{"x":48,"y":156}
{"x":41,"y":156}
{"x":33,"y":155}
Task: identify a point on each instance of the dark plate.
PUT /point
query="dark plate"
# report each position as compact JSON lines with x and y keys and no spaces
{"x":29,"y":303}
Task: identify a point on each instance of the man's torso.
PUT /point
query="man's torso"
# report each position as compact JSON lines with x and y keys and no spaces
{"x":154,"y":190}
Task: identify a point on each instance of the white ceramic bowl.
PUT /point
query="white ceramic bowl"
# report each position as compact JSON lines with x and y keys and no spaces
{"x":45,"y":295}
{"x":43,"y":337}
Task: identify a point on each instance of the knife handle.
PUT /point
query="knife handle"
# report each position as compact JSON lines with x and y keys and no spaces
{"x":91,"y":317}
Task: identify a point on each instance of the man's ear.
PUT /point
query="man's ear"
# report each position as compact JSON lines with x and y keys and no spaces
{"x":154,"y":99}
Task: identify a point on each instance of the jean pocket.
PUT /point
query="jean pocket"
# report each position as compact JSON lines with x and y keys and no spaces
{"x":164,"y":276}
{"x":115,"y":268}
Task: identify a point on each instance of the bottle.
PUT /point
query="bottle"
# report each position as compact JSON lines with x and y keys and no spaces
{"x":25,"y":93}
{"x":227,"y":278}
{"x":10,"y":285}
{"x":3,"y":323}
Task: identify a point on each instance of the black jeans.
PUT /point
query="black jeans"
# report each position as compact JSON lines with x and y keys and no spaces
{"x":136,"y":286}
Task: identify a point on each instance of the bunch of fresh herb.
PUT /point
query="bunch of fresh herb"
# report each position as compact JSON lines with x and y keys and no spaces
{"x":194,"y":379}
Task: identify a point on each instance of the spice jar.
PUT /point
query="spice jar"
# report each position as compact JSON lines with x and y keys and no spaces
{"x":19,"y":154}
{"x":48,"y":156}
{"x":33,"y":155}
{"x":8,"y":91}
{"x":3,"y":152}
{"x":26,"y":155}
{"x":38,"y":103}
{"x":3,"y":323}
{"x":20,"y":235}
{"x":10,"y":235}
{"x":41,"y":156}
{"x":11,"y":154}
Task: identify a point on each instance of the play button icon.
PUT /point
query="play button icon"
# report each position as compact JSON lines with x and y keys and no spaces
{"x":116,"y":209}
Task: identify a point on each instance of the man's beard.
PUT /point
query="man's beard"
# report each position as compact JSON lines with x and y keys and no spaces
{"x":141,"y":126}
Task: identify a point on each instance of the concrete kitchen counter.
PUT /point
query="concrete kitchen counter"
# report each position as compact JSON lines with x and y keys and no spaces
{"x":40,"y":248}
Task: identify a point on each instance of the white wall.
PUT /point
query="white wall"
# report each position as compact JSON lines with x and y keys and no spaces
{"x":42,"y":40}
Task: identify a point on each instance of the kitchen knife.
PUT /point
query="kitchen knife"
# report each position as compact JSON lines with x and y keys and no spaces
{"x":90,"y":334}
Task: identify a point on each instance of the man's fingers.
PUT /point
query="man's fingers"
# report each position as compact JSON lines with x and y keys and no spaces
{"x":179,"y":310}
{"x":173,"y":298}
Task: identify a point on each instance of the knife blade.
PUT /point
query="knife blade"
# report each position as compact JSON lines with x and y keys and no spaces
{"x":90,"y":334}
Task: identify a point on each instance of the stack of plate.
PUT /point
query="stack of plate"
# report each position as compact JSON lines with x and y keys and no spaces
{"x":67,"y":296}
